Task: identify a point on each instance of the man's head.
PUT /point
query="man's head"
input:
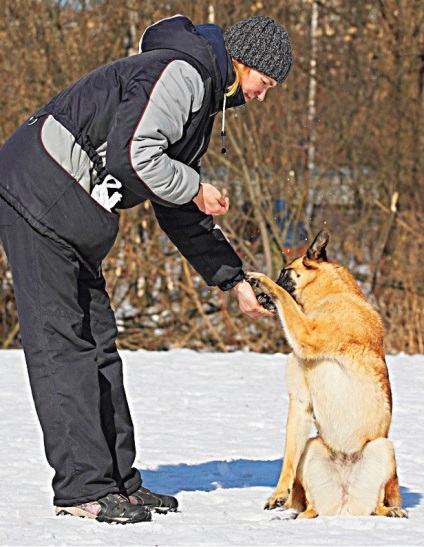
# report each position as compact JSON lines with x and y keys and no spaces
{"x":263,"y":44}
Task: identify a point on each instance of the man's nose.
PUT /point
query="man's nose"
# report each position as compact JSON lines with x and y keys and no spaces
{"x":261,"y":96}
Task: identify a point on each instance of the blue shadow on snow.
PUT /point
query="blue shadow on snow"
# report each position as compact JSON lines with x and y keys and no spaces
{"x":208,"y":476}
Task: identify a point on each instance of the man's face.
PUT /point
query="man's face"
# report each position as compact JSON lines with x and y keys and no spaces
{"x":255,"y":84}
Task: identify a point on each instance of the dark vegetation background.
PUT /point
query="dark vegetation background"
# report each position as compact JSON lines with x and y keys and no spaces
{"x":339,"y":145}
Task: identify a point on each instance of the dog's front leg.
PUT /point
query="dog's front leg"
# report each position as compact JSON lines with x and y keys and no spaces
{"x":299,"y":422}
{"x":299,"y":330}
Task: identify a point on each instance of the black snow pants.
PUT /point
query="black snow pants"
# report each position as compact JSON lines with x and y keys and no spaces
{"x":68,"y":334}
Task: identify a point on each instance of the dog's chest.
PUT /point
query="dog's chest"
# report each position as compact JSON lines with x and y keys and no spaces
{"x":346,"y":404}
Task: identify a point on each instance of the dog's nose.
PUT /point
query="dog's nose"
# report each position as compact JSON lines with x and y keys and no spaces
{"x":285,"y":281}
{"x":282,"y":277}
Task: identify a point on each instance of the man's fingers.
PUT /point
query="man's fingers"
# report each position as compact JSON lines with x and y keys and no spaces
{"x":211,"y":201}
{"x":224,"y":201}
{"x":221,"y":206}
{"x":255,"y":314}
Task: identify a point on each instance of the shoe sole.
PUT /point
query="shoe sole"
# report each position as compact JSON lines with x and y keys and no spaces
{"x":78,"y":512}
{"x":163,"y":510}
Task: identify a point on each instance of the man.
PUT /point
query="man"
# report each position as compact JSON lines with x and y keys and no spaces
{"x":132,"y":130}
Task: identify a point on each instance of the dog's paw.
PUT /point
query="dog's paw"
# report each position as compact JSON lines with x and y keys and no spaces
{"x":254,"y":278}
{"x":266,"y":302}
{"x":275,"y":502}
{"x":387,"y":511}
{"x":397,"y":512}
{"x":262,"y":282}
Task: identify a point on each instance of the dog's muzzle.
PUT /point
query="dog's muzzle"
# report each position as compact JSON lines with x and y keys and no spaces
{"x":285,"y":281}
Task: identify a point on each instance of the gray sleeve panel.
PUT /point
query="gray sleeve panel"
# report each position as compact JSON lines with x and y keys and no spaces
{"x":177,"y":94}
{"x":61,"y":146}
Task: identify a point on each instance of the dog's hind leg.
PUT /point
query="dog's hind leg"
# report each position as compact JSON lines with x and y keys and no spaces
{"x":320,"y":476}
{"x":373,"y":477}
{"x":392,"y":496}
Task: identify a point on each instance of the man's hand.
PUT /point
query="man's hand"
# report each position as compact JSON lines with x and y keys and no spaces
{"x":211,"y":201}
{"x":248,"y":303}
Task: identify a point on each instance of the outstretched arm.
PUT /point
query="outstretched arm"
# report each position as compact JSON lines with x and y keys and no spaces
{"x":204,"y":245}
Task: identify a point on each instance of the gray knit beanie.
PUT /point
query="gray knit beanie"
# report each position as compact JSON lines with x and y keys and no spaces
{"x":263,"y":44}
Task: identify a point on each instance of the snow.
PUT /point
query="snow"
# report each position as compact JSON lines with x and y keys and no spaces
{"x":209,"y":429}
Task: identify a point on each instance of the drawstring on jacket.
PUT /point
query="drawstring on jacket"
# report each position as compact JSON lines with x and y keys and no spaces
{"x":223,"y":134}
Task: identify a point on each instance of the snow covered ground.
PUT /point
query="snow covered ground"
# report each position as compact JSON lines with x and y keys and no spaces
{"x":209,"y":429}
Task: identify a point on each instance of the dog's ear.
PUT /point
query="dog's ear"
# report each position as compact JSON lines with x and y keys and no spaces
{"x":316,"y":250}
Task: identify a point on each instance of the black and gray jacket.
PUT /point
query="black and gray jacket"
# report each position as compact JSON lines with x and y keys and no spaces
{"x":142,"y":124}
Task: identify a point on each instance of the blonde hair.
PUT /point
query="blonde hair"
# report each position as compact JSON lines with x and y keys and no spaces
{"x":239,"y":69}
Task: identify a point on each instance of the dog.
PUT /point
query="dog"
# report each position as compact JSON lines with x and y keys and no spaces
{"x":337,"y":381}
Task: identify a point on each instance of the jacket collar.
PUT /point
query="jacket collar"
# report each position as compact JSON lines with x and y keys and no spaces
{"x":213,"y":34}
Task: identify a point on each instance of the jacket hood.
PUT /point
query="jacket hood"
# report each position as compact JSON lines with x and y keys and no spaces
{"x":179,"y":34}
{"x":214,"y":36}
{"x":205,"y":43}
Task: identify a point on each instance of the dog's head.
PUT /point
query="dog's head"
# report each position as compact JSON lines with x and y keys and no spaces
{"x":303,"y":271}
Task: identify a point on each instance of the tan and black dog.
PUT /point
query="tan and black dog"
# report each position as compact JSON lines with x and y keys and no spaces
{"x":338,"y":382}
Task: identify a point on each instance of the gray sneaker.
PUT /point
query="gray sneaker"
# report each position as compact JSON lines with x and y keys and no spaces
{"x":113,"y":508}
{"x":159,"y":503}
